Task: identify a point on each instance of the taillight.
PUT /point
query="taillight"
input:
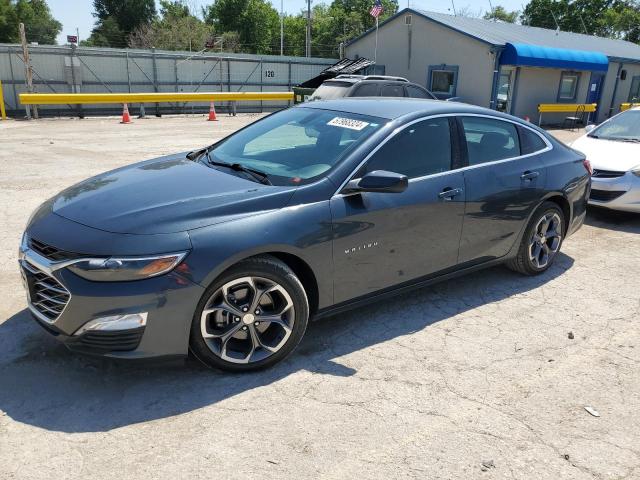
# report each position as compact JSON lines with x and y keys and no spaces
{"x":587,"y":166}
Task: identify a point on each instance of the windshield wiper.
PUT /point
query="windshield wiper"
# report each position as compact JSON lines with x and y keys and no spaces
{"x":630,"y":140}
{"x":261,"y":177}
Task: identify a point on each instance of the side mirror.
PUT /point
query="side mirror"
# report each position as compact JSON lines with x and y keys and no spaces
{"x":589,"y":128}
{"x":379,"y":181}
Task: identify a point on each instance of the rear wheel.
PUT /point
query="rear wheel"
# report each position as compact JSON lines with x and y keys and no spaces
{"x":251,"y":317}
{"x":541,"y":241}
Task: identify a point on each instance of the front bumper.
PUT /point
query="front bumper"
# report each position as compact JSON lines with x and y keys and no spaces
{"x":63,"y":302}
{"x":617,"y":193}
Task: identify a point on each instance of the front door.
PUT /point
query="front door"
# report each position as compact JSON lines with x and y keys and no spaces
{"x":595,"y":92}
{"x":384,"y":239}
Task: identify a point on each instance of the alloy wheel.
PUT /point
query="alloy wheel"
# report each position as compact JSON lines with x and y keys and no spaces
{"x":545,"y":240}
{"x":247,"y":319}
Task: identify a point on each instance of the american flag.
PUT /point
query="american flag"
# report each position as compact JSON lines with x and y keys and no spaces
{"x":376,"y":10}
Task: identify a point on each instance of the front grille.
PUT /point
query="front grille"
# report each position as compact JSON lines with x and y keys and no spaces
{"x":607,"y":174}
{"x":605,"y":195}
{"x":50,"y":252}
{"x":111,"y":341}
{"x":46,"y":294}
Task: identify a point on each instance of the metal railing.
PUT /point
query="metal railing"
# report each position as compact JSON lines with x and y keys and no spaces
{"x":84,"y":70}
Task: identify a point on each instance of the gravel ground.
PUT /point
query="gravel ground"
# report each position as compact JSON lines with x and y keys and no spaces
{"x":486,"y":376}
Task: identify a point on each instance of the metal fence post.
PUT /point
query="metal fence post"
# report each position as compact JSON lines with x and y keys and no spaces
{"x":74,"y":87}
{"x":13,"y":81}
{"x":155,"y":78}
{"x":128,"y":73}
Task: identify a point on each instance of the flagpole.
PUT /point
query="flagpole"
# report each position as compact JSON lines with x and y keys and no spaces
{"x":375,"y":52}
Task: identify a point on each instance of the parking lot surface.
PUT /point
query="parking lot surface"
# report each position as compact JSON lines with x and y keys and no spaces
{"x":485,"y":376}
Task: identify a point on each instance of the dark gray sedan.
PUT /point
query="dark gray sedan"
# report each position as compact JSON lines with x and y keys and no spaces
{"x":229,"y":250}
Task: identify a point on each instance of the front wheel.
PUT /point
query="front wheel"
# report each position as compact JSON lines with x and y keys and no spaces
{"x":541,"y":241}
{"x":251,"y":317}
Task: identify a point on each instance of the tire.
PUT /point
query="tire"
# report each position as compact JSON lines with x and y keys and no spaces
{"x":227,"y":336}
{"x":530,"y":258}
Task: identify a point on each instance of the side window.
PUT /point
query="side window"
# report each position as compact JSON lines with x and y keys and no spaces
{"x":421,"y":149}
{"x":489,"y":140}
{"x":415,"y":92}
{"x":366,"y":90}
{"x":530,"y":142}
{"x":392,"y":91}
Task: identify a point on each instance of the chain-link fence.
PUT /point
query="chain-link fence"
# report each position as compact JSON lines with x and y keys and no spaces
{"x":105,"y":70}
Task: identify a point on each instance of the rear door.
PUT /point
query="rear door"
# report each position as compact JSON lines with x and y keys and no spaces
{"x":504,"y":181}
{"x":383,"y":239}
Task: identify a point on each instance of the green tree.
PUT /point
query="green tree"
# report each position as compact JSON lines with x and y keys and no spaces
{"x":256,"y":22}
{"x":117,"y":19}
{"x":40,"y":26}
{"x":8,"y":22}
{"x":176,"y":29}
{"x":605,"y":18}
{"x":501,"y":14}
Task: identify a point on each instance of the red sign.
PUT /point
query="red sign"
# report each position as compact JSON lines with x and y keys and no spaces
{"x":72,"y":39}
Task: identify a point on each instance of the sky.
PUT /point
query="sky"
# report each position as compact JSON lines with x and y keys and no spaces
{"x":78,"y":13}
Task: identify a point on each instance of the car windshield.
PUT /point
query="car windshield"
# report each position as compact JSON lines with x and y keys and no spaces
{"x":298,"y":145}
{"x":331,"y":90}
{"x":624,"y":127}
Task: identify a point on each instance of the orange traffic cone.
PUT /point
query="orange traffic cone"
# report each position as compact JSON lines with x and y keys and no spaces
{"x":126,"y":118}
{"x":212,"y":113}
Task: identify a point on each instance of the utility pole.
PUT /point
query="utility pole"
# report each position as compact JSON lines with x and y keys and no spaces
{"x":281,"y":28}
{"x":308,"y":52}
{"x":28,"y":69}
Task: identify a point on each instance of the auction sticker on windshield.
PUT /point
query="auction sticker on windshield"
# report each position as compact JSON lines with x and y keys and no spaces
{"x":348,"y":123}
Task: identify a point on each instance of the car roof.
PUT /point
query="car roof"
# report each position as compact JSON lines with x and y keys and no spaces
{"x":395,"y":107}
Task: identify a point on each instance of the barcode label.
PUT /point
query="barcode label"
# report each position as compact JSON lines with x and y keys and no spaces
{"x":348,"y":123}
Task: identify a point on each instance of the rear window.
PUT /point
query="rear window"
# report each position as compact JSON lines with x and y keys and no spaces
{"x":415,"y":92}
{"x":366,"y":90}
{"x":392,"y":91}
{"x":331,"y":90}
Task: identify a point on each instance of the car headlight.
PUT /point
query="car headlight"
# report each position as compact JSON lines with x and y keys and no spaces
{"x":123,"y":269}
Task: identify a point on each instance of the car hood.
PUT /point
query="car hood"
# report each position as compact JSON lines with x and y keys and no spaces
{"x":609,"y":154}
{"x":165,"y":195}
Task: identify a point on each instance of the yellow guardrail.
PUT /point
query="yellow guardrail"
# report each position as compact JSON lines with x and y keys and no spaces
{"x":627,"y":106}
{"x":159,"y":97}
{"x":3,"y":112}
{"x":564,"y":108}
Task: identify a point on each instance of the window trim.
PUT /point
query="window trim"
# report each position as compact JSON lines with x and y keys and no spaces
{"x":351,"y":176}
{"x":455,"y":69}
{"x":634,"y":79}
{"x":568,"y":73}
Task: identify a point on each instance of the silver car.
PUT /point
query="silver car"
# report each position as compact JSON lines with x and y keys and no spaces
{"x":613,"y":148}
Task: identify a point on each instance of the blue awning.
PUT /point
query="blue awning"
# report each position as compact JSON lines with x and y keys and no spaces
{"x":549,"y":57}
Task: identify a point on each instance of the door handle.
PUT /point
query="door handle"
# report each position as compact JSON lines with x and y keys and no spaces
{"x":529,"y":175}
{"x":448,"y":193}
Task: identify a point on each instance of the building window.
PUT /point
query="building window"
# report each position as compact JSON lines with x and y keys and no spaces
{"x":443,"y":80}
{"x":568,"y":86}
{"x":634,"y":93}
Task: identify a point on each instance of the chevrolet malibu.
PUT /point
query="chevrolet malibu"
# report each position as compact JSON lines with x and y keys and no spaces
{"x":227,"y":252}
